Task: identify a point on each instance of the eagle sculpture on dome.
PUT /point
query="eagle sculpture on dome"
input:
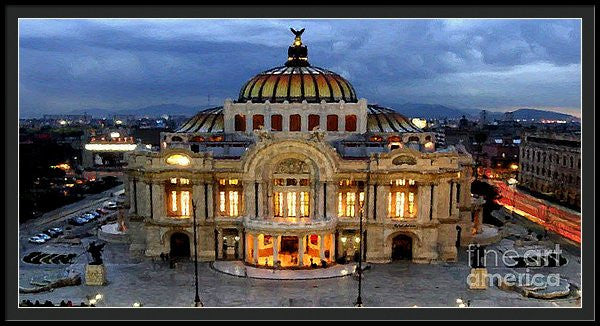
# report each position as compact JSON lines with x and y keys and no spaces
{"x":297,"y":33}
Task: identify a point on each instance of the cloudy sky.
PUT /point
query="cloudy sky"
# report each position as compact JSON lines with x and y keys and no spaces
{"x":120,"y":63}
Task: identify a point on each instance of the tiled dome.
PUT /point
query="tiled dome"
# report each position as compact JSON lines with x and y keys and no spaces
{"x":297,"y":81}
{"x":296,"y":84}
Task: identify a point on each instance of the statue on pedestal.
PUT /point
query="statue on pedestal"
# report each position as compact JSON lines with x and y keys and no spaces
{"x":95,"y":273}
{"x":96,"y":251}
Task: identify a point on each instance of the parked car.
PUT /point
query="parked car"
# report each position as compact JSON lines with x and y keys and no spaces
{"x":111,"y":205}
{"x":51,"y":233}
{"x":77,"y":221}
{"x":58,"y":230}
{"x":102,"y":211}
{"x":36,"y":239}
{"x":43,"y":236}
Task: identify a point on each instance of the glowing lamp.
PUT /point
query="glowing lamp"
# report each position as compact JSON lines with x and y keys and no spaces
{"x":357,"y":239}
{"x":178,"y":159}
{"x":420,"y":123}
{"x":115,"y":135}
{"x":514,"y":166}
{"x":343,"y":239}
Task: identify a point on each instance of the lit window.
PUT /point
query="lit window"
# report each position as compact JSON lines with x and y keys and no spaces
{"x":184,"y":181}
{"x":350,"y":202}
{"x":411,"y":203}
{"x":399,"y":204}
{"x":178,"y":159}
{"x":291,"y":204}
{"x":174,"y":201}
{"x":222,"y":201}
{"x":304,"y":204}
{"x":340,"y":204}
{"x":361,"y":198}
{"x":233,"y":181}
{"x":233,"y":203}
{"x":278,"y":207}
{"x":185,"y":203}
{"x":174,"y":180}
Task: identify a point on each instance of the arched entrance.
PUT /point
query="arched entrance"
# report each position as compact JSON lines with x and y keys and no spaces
{"x":402,"y":247}
{"x":180,"y":245}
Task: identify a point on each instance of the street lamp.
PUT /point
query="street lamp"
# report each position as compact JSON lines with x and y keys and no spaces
{"x":359,"y":302}
{"x":197,"y":302}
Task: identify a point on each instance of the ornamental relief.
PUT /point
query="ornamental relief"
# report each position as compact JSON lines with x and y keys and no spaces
{"x":292,"y":166}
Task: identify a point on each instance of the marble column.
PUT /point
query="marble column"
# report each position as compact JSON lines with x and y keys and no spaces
{"x":322,"y":246}
{"x":220,"y":244}
{"x":301,"y":247}
{"x":158,"y":201}
{"x":332,"y":247}
{"x":423,"y":198}
{"x":275,"y":249}
{"x":255,"y":246}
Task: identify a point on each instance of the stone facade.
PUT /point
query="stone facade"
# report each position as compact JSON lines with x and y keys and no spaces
{"x":551,"y":164}
{"x":286,"y":183}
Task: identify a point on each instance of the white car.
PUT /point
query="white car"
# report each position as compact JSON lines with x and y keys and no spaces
{"x":36,"y":239}
{"x":111,"y":205}
{"x":43,"y":236}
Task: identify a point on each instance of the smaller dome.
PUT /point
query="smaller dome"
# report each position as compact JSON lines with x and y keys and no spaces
{"x":381,"y":119}
{"x":209,"y":120}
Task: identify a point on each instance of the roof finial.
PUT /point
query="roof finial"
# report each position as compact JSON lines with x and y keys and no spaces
{"x":297,"y":52}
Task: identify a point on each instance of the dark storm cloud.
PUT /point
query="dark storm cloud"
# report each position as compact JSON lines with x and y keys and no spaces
{"x":74,"y":64}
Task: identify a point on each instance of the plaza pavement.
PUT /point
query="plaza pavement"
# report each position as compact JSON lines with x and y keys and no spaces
{"x":399,"y":284}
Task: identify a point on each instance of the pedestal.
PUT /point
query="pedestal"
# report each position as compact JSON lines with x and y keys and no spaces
{"x":95,"y":275}
{"x":477,"y":280}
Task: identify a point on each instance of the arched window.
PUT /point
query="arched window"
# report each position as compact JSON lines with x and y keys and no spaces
{"x":176,"y":138}
{"x":571,"y":158}
{"x":276,"y":122}
{"x":240,"y":122}
{"x":258,"y":121}
{"x":332,"y":122}
{"x":295,"y":122}
{"x":313,"y":121}
{"x":413,"y":139}
{"x":564,"y":161}
{"x":351,"y":122}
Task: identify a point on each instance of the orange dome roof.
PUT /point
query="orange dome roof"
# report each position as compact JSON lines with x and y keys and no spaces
{"x":296,"y":84}
{"x":297,"y":81}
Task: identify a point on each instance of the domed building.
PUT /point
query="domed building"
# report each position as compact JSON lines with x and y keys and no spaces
{"x":282,"y":176}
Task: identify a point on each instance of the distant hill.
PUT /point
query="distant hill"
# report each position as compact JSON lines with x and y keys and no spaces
{"x":437,"y":111}
{"x":542,"y":114}
{"x":428,"y":111}
{"x":152,"y":110}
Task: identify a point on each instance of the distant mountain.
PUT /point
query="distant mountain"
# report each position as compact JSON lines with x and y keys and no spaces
{"x":152,"y":111}
{"x":542,"y":114}
{"x":428,"y":111}
{"x":437,"y":111}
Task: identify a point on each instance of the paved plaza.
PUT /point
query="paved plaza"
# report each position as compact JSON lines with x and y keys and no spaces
{"x":398,"y":284}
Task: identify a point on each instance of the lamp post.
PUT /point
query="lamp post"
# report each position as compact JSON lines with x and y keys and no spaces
{"x":512,"y":182}
{"x":197,"y":302}
{"x":359,"y":302}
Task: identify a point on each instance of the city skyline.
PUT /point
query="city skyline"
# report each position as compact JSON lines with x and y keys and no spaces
{"x":498,"y":65}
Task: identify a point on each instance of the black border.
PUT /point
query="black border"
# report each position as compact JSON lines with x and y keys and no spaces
{"x":12,"y":13}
